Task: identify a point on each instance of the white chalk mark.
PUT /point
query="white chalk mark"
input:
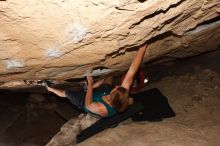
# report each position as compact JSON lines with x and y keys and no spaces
{"x":77,"y":31}
{"x":13,"y":63}
{"x":97,"y":72}
{"x":54,"y":53}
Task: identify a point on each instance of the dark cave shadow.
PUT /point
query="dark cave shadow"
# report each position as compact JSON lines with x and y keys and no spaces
{"x":158,"y":69}
{"x":142,"y":1}
{"x":35,"y":125}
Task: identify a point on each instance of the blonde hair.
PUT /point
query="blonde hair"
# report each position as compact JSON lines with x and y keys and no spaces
{"x":120,"y":99}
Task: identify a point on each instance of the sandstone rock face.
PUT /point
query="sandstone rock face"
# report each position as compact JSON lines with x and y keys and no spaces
{"x":59,"y":40}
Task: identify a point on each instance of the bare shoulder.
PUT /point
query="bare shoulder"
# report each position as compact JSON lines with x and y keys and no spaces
{"x":98,"y":108}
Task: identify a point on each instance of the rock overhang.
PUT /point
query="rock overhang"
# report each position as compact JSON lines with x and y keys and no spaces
{"x":61,"y":40}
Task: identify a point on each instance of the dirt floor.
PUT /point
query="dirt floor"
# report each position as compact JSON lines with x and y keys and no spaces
{"x":192,"y":87}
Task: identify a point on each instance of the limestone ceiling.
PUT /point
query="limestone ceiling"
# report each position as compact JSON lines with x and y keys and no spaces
{"x":60,"y":40}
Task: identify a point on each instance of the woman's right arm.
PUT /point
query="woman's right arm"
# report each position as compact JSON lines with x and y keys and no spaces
{"x":127,"y":82}
{"x":107,"y":80}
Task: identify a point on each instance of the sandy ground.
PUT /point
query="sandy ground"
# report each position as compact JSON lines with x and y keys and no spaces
{"x":192,"y":87}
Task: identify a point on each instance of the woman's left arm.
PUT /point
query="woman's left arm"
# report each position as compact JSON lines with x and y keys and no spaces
{"x":89,"y":91}
{"x":98,"y":83}
{"x":96,"y":108}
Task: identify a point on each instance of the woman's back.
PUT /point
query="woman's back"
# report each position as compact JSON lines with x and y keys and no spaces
{"x":98,"y":95}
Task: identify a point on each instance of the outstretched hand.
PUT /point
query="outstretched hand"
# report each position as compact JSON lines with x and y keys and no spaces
{"x":90,"y":79}
{"x":143,"y":47}
{"x":129,"y":77}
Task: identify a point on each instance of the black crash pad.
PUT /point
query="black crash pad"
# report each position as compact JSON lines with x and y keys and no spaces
{"x":109,"y":122}
{"x":156,"y":106}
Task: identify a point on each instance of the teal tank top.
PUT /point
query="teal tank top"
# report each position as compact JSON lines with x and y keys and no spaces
{"x":98,"y":93}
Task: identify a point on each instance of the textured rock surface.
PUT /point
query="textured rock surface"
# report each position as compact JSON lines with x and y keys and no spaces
{"x":53,"y":39}
{"x":68,"y":132}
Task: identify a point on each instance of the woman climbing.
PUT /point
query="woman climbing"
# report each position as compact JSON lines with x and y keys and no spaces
{"x":101,"y":99}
